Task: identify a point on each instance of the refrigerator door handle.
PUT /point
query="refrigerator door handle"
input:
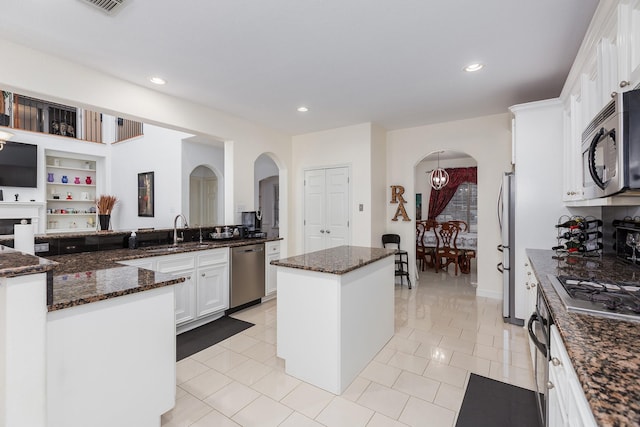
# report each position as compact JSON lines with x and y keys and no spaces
{"x":500,"y":267}
{"x":500,"y":248}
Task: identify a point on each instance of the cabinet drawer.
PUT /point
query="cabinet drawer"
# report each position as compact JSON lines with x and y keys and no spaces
{"x":215,"y":256}
{"x":272,"y":247}
{"x":176,"y":263}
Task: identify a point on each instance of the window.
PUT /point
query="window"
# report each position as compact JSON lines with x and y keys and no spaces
{"x":463,"y":206}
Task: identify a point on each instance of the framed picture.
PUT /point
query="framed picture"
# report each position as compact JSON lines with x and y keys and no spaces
{"x":145,"y":194}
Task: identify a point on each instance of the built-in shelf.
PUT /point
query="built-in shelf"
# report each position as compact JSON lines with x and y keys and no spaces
{"x":82,"y":194}
{"x":70,"y":184}
{"x":70,"y":168}
{"x":72,"y":200}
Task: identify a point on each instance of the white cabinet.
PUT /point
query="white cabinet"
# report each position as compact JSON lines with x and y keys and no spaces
{"x":272,"y":252}
{"x":568,"y":405}
{"x":70,"y":193}
{"x":608,"y":61}
{"x":531,"y":298}
{"x":212,"y":282}
{"x":205,"y":292}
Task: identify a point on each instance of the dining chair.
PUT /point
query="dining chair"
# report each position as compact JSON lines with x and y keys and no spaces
{"x":448,"y":252}
{"x":462,"y":225}
{"x":423,"y":248}
{"x":402,"y":257}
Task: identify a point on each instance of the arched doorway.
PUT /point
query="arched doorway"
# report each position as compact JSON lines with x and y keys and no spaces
{"x":458,"y":201}
{"x":267,"y":194}
{"x":203,"y":197}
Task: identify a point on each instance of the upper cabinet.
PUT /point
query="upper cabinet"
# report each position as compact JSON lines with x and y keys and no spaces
{"x":608,"y":62}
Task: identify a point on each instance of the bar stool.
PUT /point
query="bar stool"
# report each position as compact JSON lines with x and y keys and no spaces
{"x":402,"y":257}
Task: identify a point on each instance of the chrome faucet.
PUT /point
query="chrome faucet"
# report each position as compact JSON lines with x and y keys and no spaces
{"x":177,"y":239}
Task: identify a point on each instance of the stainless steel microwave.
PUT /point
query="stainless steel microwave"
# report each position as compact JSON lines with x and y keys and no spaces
{"x":611,"y":148}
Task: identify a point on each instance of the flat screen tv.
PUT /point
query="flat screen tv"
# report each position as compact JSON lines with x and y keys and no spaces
{"x":19,"y":165}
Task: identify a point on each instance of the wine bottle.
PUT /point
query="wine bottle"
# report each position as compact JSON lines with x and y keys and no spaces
{"x":572,"y":247}
{"x":580,"y":224}
{"x":580,"y":235}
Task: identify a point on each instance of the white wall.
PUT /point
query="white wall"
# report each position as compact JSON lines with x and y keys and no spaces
{"x":378,"y":184}
{"x":486,"y":139}
{"x":346,"y":146}
{"x":73,"y":84}
{"x":158,"y":151}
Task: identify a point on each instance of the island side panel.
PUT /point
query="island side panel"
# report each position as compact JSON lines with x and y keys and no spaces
{"x":366,"y":316}
{"x":23,"y":316}
{"x":126,"y":345}
{"x":308,"y":330}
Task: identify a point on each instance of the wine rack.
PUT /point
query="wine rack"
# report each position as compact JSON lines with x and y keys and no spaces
{"x":579,"y":236}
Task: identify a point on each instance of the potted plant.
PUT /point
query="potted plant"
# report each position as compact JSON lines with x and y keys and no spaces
{"x":105,"y":204}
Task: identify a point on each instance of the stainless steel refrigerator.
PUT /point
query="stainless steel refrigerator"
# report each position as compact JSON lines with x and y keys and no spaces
{"x":506,"y":219}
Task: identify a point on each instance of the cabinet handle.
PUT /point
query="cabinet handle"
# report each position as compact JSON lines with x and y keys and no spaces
{"x":322,"y":231}
{"x":533,"y":285}
{"x":550,"y":385}
{"x":613,"y":94}
{"x":202,"y":275}
{"x":188,"y":277}
{"x":328,"y":231}
{"x":556,"y":361}
{"x":528,"y":273}
{"x":625,"y":83}
{"x":528,"y":286}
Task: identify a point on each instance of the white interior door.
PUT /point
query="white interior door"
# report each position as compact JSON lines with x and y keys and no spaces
{"x":326,"y":208}
{"x":337,"y":207}
{"x":314,"y":195}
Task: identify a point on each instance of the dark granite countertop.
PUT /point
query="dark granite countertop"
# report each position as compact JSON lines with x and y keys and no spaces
{"x":338,"y":260}
{"x":15,"y":263}
{"x":605,"y":353}
{"x":86,"y":277}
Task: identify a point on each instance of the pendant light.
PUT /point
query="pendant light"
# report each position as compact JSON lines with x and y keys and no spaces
{"x":438,"y":178}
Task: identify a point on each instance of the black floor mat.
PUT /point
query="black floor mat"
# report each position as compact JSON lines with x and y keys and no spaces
{"x":195,"y":340}
{"x":491,"y":403}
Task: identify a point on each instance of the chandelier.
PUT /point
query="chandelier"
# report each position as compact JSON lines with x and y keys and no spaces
{"x":438,"y":178}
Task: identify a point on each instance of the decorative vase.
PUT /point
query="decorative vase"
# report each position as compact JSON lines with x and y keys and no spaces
{"x":65,"y":179}
{"x":77,"y":180}
{"x":50,"y":177}
{"x":104,"y":220}
{"x":88,"y":180}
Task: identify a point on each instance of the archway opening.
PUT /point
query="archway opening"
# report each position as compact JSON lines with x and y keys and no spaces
{"x":203,"y":197}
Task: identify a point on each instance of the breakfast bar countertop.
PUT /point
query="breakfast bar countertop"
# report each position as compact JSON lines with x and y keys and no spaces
{"x":605,"y":353}
{"x":337,"y":260}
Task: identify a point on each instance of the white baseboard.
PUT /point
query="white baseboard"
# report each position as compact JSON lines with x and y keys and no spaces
{"x":488,"y":293}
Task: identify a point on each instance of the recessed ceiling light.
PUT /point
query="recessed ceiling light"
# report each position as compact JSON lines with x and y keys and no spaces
{"x":157,"y":80}
{"x":473,"y":67}
{"x":303,"y":109}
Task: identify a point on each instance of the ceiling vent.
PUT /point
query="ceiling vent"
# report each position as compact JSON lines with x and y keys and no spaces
{"x":110,"y":7}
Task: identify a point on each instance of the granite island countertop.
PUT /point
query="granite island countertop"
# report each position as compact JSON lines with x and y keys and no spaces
{"x":87,"y":277}
{"x":605,"y":353}
{"x":338,"y":260}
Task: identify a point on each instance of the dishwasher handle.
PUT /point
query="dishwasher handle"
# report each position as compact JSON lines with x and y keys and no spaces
{"x":257,"y":249}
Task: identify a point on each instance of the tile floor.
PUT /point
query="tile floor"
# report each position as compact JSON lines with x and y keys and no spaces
{"x":443,"y":332}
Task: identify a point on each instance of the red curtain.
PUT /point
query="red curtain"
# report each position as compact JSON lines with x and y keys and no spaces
{"x":440,"y":198}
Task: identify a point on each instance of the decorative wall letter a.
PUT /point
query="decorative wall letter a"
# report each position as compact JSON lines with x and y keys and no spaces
{"x":396,"y":197}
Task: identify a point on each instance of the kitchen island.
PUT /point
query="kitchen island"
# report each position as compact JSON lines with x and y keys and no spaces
{"x":605,"y":353}
{"x":80,"y":346}
{"x":335,"y":312}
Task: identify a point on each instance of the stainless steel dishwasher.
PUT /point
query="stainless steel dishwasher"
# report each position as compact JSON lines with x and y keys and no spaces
{"x":247,"y":274}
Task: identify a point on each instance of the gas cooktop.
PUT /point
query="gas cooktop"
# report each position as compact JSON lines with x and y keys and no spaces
{"x":618,"y":300}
